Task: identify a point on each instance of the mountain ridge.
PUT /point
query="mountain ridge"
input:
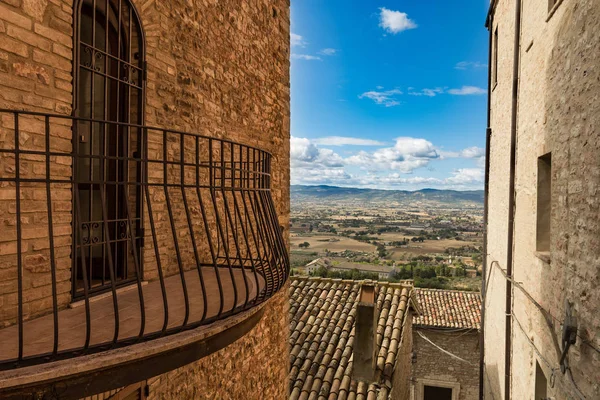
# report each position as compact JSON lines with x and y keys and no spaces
{"x":305,"y":192}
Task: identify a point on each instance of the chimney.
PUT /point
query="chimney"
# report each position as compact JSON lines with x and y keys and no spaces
{"x":364,"y":339}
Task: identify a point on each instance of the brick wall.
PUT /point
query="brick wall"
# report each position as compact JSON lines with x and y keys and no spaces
{"x":36,"y":75}
{"x":253,"y":368}
{"x":433,"y":364}
{"x":218,"y":68}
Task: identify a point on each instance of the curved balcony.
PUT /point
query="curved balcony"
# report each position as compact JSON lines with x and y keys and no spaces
{"x":119,"y":235}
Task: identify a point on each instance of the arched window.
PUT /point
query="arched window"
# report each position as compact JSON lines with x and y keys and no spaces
{"x":109,"y":71}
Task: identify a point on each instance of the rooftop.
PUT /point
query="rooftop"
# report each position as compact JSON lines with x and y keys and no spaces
{"x":448,"y":309}
{"x":322,"y":327}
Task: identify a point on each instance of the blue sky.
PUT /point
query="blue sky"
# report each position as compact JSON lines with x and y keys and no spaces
{"x":388,"y":94}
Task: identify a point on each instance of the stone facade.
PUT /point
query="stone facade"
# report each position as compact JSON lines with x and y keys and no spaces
{"x":558,"y":113}
{"x":218,"y":68}
{"x":433,"y":367}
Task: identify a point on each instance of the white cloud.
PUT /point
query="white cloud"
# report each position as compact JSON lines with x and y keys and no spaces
{"x":472,"y":152}
{"x":383,"y":168}
{"x":395,"y":21}
{"x":307,"y":57}
{"x":465,"y":176}
{"x":469,"y":65}
{"x":467,"y":90}
{"x":328,"y":52}
{"x":386,"y":98}
{"x":407,"y":155}
{"x":426,"y":92}
{"x":297,"y":40}
{"x":343,"y":140}
{"x":305,"y":154}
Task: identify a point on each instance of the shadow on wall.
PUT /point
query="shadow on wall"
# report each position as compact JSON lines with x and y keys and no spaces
{"x":573,"y":134}
{"x":492,"y":381}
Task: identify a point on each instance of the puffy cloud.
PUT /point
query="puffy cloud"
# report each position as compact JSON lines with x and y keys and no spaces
{"x":305,"y":154}
{"x":343,"y":140}
{"x":463,"y":65}
{"x":386,"y":98}
{"x":328,"y":52}
{"x":407,"y":155}
{"x":466,"y":176}
{"x":307,"y":57}
{"x":297,"y":40}
{"x":467,"y":90}
{"x":472,"y":152}
{"x":395,"y":21}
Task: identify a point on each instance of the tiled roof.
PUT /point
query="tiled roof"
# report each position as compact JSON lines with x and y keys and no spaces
{"x":448,"y":308}
{"x":322,"y":313}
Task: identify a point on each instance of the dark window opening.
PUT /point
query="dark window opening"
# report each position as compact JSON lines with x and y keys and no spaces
{"x":544,"y":202}
{"x":437,"y":393}
{"x":495,"y":58}
{"x":541,"y":383}
{"x":109,"y":89}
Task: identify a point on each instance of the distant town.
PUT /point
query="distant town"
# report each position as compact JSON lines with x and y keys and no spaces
{"x":431,"y":236}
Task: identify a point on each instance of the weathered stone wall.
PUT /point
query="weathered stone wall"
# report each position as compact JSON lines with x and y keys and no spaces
{"x":402,"y":372}
{"x":218,"y":68}
{"x":254,"y":367}
{"x":558,"y":113}
{"x":431,"y":363}
{"x":35,"y":75}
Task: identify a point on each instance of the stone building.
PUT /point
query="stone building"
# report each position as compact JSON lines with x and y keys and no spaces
{"x":542,"y":267}
{"x":445,"y":352}
{"x":350,"y":339}
{"x":144,"y":198}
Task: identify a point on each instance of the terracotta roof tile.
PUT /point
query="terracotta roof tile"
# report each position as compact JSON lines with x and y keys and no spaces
{"x":448,"y":309}
{"x":322,"y":313}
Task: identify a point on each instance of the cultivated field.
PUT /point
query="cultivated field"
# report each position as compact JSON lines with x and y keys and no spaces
{"x":330,"y":242}
{"x":428,"y":246}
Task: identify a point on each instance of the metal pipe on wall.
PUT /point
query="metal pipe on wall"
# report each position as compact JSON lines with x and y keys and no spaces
{"x":511,"y":199}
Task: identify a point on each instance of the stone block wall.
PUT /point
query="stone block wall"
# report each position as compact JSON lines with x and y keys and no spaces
{"x":216,"y":68}
{"x":557,"y":113}
{"x":434,"y":365}
{"x":35,"y":75}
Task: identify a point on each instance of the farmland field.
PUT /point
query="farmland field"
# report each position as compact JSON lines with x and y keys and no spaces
{"x":428,"y":246}
{"x":337,"y":243}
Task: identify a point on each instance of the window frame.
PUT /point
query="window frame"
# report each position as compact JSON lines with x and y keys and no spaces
{"x":421,"y":383}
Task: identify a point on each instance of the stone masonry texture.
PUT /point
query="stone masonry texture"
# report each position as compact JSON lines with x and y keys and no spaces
{"x":432,"y":364}
{"x":558,"y":113}
{"x":217,"y":68}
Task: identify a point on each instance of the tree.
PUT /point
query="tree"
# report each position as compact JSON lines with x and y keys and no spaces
{"x":304,"y":245}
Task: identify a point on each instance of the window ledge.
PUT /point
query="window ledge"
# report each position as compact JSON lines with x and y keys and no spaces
{"x":544,"y":256}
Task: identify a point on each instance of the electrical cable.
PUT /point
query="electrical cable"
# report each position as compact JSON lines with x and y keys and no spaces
{"x":446,"y":351}
{"x":545,"y":312}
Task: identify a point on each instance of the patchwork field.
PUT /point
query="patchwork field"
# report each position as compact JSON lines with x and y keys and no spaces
{"x":428,"y":246}
{"x":330,"y":242}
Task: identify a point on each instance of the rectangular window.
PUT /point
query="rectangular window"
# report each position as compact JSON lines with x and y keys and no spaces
{"x":437,"y":393}
{"x":541,"y":383}
{"x":544,"y":202}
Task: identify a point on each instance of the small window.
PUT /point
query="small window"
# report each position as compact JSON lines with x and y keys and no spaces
{"x":541,"y":383}
{"x":437,"y":393}
{"x":495,"y":58}
{"x":544,"y":202}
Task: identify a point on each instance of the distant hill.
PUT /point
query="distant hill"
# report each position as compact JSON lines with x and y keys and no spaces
{"x":300,"y":193}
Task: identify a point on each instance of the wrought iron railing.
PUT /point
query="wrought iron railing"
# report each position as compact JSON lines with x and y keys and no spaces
{"x":91,"y":209}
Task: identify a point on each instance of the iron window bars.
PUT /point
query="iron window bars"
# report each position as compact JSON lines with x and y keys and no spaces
{"x":208,"y":220}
